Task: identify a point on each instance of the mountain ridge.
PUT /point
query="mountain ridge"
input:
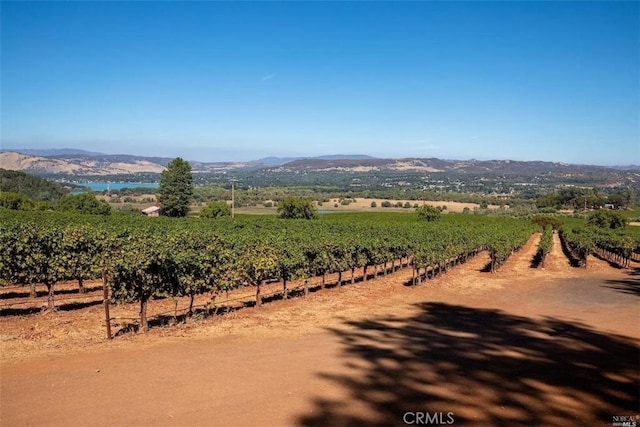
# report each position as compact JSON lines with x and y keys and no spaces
{"x":89,"y":163}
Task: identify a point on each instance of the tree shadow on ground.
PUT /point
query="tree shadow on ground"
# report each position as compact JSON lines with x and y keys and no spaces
{"x":629,"y":286}
{"x":487,"y":367}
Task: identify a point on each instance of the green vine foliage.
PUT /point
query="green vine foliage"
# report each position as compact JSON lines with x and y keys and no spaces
{"x":146,"y":258}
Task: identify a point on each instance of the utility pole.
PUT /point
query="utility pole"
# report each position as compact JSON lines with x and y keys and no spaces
{"x":233,"y":198}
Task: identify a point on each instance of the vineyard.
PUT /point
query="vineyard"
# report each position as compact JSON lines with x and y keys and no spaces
{"x":175,"y":270}
{"x":141,"y":260}
{"x":144,"y":259}
{"x":619,"y":247}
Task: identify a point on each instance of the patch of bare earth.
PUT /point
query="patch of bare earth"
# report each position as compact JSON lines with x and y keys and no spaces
{"x":523,"y":346}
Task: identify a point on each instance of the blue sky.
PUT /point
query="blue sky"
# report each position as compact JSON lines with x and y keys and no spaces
{"x":221,"y":81}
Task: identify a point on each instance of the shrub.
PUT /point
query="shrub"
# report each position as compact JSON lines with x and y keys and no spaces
{"x":374,"y":204}
{"x":44,"y":206}
{"x":15,"y":201}
{"x":546,"y":221}
{"x":606,"y":219}
{"x":428,"y":213}
{"x":84,"y":203}
{"x":297,"y":208}
{"x":215,"y":210}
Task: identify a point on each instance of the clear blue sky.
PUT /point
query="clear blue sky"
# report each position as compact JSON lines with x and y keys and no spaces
{"x":236,"y":81}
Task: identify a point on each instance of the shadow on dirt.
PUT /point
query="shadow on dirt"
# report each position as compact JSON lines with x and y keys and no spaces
{"x":43,"y":293}
{"x":79,"y":305}
{"x":20,"y":311}
{"x":219,"y":307}
{"x":485,"y":366}
{"x":612,"y":264}
{"x":23,"y":311}
{"x":629,"y":286}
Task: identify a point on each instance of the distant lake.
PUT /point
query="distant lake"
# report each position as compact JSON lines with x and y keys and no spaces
{"x":99,"y":187}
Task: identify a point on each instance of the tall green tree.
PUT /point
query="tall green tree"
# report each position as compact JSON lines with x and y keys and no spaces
{"x":176,"y":188}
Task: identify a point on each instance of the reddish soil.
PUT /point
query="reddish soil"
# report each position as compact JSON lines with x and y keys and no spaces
{"x":548,"y":346}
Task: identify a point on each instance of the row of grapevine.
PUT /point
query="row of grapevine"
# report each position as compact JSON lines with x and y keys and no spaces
{"x":577,"y":243}
{"x":615,"y":246}
{"x":544,"y":246}
{"x":147,"y":258}
{"x":505,"y":243}
{"x":45,"y":253}
{"x":634,"y":233}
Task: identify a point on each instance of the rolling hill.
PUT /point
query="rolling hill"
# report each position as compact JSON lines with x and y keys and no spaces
{"x":86,"y":164}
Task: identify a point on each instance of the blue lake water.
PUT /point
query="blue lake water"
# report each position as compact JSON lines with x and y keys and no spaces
{"x":99,"y":187}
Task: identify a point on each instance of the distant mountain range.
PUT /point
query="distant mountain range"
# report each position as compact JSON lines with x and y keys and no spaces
{"x":72,"y":162}
{"x":279,"y":161}
{"x":52,"y":152}
{"x":80,"y":162}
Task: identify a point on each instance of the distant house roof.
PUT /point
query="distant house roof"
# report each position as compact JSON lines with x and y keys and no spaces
{"x":151,"y":210}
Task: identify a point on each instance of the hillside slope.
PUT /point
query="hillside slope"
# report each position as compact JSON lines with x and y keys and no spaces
{"x":31,"y":186}
{"x":120,"y":164}
{"x":77,"y":165}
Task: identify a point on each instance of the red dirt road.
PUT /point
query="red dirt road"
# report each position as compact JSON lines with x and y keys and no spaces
{"x":553,"y":346}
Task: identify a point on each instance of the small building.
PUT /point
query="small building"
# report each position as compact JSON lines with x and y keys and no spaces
{"x":151,"y":211}
{"x":609,"y":206}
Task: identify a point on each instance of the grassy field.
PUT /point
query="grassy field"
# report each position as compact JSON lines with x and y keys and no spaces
{"x":364,"y":205}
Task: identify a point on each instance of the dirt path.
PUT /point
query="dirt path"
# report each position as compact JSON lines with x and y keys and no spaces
{"x":522,"y":346}
{"x":556,"y":260}
{"x":520,"y":262}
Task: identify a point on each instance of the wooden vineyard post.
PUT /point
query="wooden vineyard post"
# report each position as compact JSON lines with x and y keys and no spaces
{"x":105,"y":302}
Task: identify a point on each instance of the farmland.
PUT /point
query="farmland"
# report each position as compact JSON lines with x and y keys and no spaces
{"x":327,"y":359}
{"x":145,"y":259}
{"x":348,"y":319}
